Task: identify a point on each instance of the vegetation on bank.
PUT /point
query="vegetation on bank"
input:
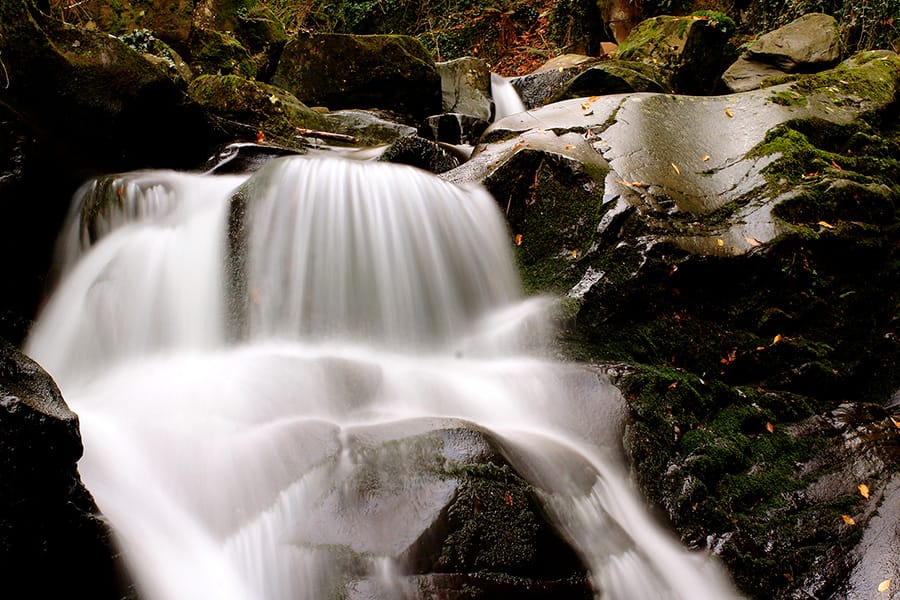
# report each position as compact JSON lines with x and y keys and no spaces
{"x":513,"y":35}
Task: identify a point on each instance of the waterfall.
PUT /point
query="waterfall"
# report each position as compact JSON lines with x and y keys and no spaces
{"x":236,"y":347}
{"x":506,"y":98}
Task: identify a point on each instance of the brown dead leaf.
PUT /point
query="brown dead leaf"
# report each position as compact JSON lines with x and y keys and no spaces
{"x":777,"y":339}
{"x":729,"y":113}
{"x":848,"y":520}
{"x":896,"y":422}
{"x":770,"y":428}
{"x":518,"y":239}
{"x":507,"y":497}
{"x":863,"y":490}
{"x":673,"y":385}
{"x":753,"y":241}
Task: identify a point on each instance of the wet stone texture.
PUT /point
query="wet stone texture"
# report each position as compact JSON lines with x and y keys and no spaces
{"x":739,"y":254}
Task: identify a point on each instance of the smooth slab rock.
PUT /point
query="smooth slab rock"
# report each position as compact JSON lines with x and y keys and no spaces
{"x":810,"y":43}
{"x":746,"y":74}
{"x":466,"y":87}
{"x":539,"y":88}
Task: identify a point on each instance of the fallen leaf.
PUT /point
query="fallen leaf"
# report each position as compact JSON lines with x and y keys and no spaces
{"x":753,"y":241}
{"x":720,"y":242}
{"x":826,"y":225}
{"x":863,"y":490}
{"x":593,"y":98}
{"x":676,"y":169}
{"x":770,"y":428}
{"x":760,"y":347}
{"x":895,"y":422}
{"x":729,"y":113}
{"x":569,"y":146}
{"x":812,"y":175}
{"x":884,"y":585}
{"x":574,"y":253}
{"x":706,"y":157}
{"x":848,"y":520}
{"x":673,"y":385}
{"x":273,"y":99}
{"x":507,"y":497}
{"x":518,"y":239}
{"x":260,"y":137}
{"x":836,"y":166}
{"x":777,"y":339}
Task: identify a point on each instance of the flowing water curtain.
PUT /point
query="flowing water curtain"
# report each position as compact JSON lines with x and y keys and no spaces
{"x":228,"y":466}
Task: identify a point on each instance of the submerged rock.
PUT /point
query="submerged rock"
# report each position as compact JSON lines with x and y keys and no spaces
{"x":54,"y":542}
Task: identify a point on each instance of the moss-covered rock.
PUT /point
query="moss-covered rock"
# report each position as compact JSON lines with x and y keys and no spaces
{"x":217,"y":53}
{"x":390,"y":72}
{"x":169,"y":20}
{"x":613,"y":77}
{"x":251,"y":107}
{"x":691,"y":48}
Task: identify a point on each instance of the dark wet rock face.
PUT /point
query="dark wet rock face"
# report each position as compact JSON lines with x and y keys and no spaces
{"x":421,"y":153}
{"x":740,"y":254}
{"x":52,"y":539}
{"x":391,"y":72}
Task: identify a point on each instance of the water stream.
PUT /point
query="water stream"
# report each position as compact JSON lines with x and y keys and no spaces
{"x":233,"y":346}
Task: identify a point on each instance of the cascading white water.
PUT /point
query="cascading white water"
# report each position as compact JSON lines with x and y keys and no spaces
{"x":506,"y":98}
{"x":378,"y":302}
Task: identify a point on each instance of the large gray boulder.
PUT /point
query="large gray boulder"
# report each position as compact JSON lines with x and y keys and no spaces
{"x":466,"y":87}
{"x":389,"y":72}
{"x":809,"y":44}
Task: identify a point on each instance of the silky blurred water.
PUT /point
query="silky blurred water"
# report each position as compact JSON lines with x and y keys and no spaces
{"x":375,"y":301}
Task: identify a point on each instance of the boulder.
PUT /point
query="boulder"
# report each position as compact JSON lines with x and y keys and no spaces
{"x":690,"y":49}
{"x":391,"y":72}
{"x":466,"y":87}
{"x":612,"y":77}
{"x":739,"y":254}
{"x":419,"y":152}
{"x":809,"y":44}
{"x":540,"y":87}
{"x":368,"y":127}
{"x":247,"y":108}
{"x":216,"y":53}
{"x":54,"y":542}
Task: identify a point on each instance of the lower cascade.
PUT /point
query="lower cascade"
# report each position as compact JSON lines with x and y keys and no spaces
{"x":256,"y":360}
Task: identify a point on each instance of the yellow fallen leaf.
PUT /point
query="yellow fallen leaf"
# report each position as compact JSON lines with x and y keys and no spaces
{"x":574,"y":253}
{"x":848,"y":520}
{"x":720,"y":242}
{"x":777,"y":339}
{"x":273,"y":99}
{"x":673,"y":385}
{"x":863,"y":490}
{"x":826,"y":225}
{"x":884,"y":585}
{"x":706,"y":157}
{"x":729,"y":113}
{"x":895,"y":422}
{"x":675,"y":168}
{"x":569,"y":146}
{"x":593,"y":98}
